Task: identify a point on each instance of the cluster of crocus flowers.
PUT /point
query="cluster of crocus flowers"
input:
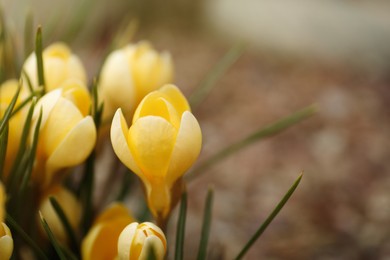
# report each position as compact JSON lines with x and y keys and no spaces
{"x":162,"y":143}
{"x":6,"y":241}
{"x":129,"y":74}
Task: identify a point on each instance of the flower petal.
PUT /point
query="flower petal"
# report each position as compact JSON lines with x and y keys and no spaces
{"x":6,"y":242}
{"x":115,"y":211}
{"x":116,"y":83}
{"x":125,"y":240}
{"x":176,"y":98}
{"x":74,"y":147}
{"x":187,"y":147}
{"x":120,"y":143}
{"x":151,"y":140}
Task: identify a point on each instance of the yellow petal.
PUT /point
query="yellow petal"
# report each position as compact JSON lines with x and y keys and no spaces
{"x":119,"y":130}
{"x":102,"y":240}
{"x":74,"y":147}
{"x":77,"y":92}
{"x":155,"y":105}
{"x":47,"y":103}
{"x":116,"y":83}
{"x":6,"y":242}
{"x":175,"y":97}
{"x":113,"y":212}
{"x":187,"y":147}
{"x":62,"y":119}
{"x":125,"y":241}
{"x":151,"y":140}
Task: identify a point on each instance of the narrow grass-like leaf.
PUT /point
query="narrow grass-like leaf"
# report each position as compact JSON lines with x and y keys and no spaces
{"x":52,"y":239}
{"x":65,"y":222}
{"x":202,"y":253}
{"x":23,"y":103}
{"x":87,"y":185}
{"x":33,"y":151}
{"x":10,"y":108}
{"x":207,"y":84}
{"x":269,"y":219}
{"x":3,"y":149}
{"x":20,"y":162}
{"x":181,"y":226}
{"x":28,"y":79}
{"x":269,"y":130}
{"x":39,"y":53}
{"x":28,"y":34}
{"x":25,"y":237}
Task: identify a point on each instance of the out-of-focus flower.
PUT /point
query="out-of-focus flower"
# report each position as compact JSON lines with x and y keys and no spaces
{"x":161,"y":145}
{"x":6,"y":242}
{"x":69,"y":204}
{"x":67,"y":135}
{"x":137,"y":240}
{"x":129,"y":74}
{"x":7,"y":91}
{"x":101,"y":240}
{"x":59,"y":65}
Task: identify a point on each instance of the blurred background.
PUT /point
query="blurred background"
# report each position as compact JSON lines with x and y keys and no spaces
{"x":335,"y":54}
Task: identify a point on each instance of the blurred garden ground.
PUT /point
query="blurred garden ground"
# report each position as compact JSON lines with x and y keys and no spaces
{"x":332,"y":53}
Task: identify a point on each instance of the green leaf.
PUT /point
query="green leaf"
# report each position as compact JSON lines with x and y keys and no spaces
{"x":202,"y":252}
{"x":3,"y":149}
{"x":38,"y":53}
{"x":181,"y":225}
{"x":207,"y":84}
{"x":27,"y":78}
{"x":33,"y":151}
{"x":26,"y":238}
{"x":52,"y":239}
{"x":19,"y":165}
{"x":267,"y":131}
{"x":86,"y":191}
{"x":10,"y":108}
{"x":65,"y":222}
{"x":269,"y":219}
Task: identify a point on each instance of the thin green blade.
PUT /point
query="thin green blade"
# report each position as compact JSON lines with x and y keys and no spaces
{"x":10,"y":108}
{"x":38,"y":53}
{"x":202,"y":252}
{"x":181,"y":225}
{"x":269,"y":219}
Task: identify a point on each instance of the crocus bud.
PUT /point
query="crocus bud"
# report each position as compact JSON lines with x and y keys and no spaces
{"x":137,"y":240}
{"x":66,"y":135}
{"x":7,"y":91}
{"x":69,"y":204}
{"x":59,"y":65}
{"x":129,"y":74}
{"x":6,"y":242}
{"x":101,"y":240}
{"x":161,"y":145}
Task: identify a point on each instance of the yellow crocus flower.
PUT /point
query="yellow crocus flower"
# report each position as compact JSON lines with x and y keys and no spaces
{"x":136,"y":241}
{"x":59,"y":65}
{"x":160,"y":146}
{"x":69,"y":204}
{"x":101,"y":240}
{"x":6,"y":242}
{"x":129,"y":74}
{"x":67,"y":134}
